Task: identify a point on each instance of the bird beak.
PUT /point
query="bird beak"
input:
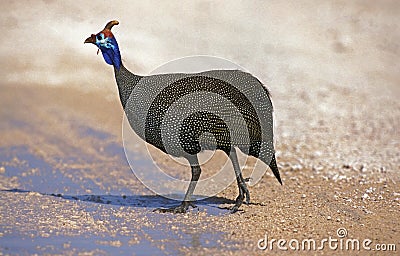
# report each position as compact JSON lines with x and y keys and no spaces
{"x":91,"y":39}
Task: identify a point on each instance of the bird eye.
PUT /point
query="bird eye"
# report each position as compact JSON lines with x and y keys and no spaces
{"x":98,"y":37}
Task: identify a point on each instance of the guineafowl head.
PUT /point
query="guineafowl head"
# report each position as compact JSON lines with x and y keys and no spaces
{"x":106,"y":42}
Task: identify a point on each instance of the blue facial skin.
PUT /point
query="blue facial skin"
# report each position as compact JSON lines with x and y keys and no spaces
{"x":110,"y":50}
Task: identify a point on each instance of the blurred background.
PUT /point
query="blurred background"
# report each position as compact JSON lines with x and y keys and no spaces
{"x":348,"y":43}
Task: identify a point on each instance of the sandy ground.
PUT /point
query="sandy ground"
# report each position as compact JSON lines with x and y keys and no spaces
{"x":66,"y":187}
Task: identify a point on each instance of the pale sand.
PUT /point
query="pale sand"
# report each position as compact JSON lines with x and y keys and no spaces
{"x":67,"y":188}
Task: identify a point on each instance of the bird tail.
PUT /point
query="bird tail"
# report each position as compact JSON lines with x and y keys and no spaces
{"x":274,"y":168}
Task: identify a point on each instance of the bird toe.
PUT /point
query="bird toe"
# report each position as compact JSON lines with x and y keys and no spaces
{"x":182,"y":208}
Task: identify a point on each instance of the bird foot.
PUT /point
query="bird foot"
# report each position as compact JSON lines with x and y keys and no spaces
{"x":238,"y":203}
{"x":182,"y":208}
{"x":234,"y":209}
{"x":245,"y":193}
{"x":243,"y":190}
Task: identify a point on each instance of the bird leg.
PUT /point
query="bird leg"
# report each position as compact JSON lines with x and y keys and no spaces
{"x":243,"y":191}
{"x":187,"y":201}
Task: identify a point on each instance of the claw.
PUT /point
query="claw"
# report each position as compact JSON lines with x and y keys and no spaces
{"x":182,"y":208}
{"x":234,"y":209}
{"x":238,"y":203}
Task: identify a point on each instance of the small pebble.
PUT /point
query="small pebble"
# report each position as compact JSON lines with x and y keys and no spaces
{"x":365,"y":196}
{"x":329,"y":218}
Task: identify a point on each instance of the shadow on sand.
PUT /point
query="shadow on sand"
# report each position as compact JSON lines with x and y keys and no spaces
{"x":151,"y":202}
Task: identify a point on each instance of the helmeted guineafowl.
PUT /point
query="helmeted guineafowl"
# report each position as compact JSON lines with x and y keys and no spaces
{"x":245,"y":123}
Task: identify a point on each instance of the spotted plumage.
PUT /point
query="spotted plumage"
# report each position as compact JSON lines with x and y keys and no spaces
{"x":184,"y":114}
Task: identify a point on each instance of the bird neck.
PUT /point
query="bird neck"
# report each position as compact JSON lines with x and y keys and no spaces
{"x":126,"y":82}
{"x":111,"y":53}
